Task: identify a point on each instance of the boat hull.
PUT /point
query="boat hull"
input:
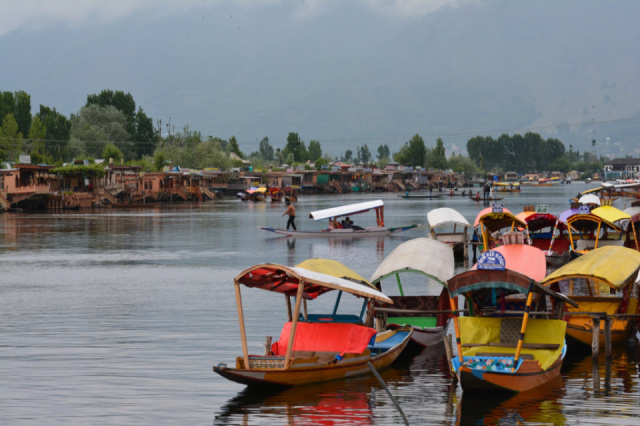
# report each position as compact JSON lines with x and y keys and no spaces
{"x":341,"y":233}
{"x":528,"y":376}
{"x":305,"y":371}
{"x":583,"y":336}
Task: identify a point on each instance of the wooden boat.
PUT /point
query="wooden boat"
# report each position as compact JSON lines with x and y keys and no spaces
{"x":253,"y":194}
{"x":499,"y":347}
{"x":546,"y":232}
{"x":428,"y":312}
{"x":313,"y":347}
{"x":590,"y":229}
{"x":419,"y":196}
{"x":474,"y":198}
{"x":496,"y":219}
{"x":334,"y":229}
{"x":633,"y":227}
{"x":276,"y":194}
{"x":507,"y":186}
{"x":450,"y":227}
{"x":604,"y":280}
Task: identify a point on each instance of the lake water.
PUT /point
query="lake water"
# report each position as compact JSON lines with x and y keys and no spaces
{"x":117,"y":317}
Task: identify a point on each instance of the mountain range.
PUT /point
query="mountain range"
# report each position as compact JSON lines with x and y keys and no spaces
{"x":351,"y":75}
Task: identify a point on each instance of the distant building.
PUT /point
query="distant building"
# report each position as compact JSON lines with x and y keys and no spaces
{"x":622,"y":168}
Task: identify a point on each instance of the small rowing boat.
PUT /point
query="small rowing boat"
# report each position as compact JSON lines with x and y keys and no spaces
{"x":605,"y":281}
{"x":335,"y":229}
{"x":317,"y":347}
{"x":427,"y":313}
{"x":500,"y":348}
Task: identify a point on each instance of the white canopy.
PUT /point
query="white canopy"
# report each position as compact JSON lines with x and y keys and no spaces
{"x":422,"y":255}
{"x":589,"y":199}
{"x":446,"y":215}
{"x":345,"y":210}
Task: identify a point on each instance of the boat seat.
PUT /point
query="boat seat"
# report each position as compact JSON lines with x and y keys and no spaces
{"x":504,"y":355}
{"x":325,"y":337}
{"x":323,"y":357}
{"x":512,"y":238}
{"x":339,"y":318}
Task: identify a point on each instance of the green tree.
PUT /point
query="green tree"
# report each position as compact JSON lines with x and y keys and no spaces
{"x":438,"y":157}
{"x":22,"y":111}
{"x":112,"y":152}
{"x":315,"y":150}
{"x":10,"y":138}
{"x":235,"y":148}
{"x":384,"y":152}
{"x":320,"y":162}
{"x":266,"y":150}
{"x":37,"y":134}
{"x":296,"y":147}
{"x":7,"y":104}
{"x":94,"y":127}
{"x":364,"y":154}
{"x":159,"y":160}
{"x":347,"y":155}
{"x":413,"y":153}
{"x":462,"y":164}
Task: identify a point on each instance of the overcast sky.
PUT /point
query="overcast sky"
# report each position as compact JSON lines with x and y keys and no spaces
{"x":41,"y":13}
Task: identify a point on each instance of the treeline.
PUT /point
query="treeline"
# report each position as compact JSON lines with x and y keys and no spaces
{"x":111,"y":126}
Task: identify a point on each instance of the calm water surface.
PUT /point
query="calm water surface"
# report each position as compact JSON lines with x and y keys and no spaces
{"x":117,"y":316}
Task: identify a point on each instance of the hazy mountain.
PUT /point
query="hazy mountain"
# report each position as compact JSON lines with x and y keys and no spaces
{"x":350,"y":76}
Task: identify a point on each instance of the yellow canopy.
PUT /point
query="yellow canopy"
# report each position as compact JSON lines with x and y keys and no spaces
{"x":612,"y":265}
{"x":333,"y":268}
{"x":610,"y":214}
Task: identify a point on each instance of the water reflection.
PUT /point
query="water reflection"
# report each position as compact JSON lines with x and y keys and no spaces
{"x":538,"y":406}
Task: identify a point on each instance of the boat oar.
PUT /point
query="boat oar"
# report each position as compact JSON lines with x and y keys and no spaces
{"x":384,"y":385}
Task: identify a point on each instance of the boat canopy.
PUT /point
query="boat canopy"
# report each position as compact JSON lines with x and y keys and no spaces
{"x":510,"y":282}
{"x":634,"y":212}
{"x":335,"y":269}
{"x":536,"y":221}
{"x":260,"y":190}
{"x":589,"y":199}
{"x":446,"y":216}
{"x":346,"y":210}
{"x":421,"y":255}
{"x":497,"y":220}
{"x":524,"y":259}
{"x":285,"y":280}
{"x":610,"y":214}
{"x":613,"y":265}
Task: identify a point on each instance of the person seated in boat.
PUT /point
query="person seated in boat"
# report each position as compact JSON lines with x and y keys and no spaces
{"x":354,"y":226}
{"x":451,"y":192}
{"x":334,"y":224}
{"x":347,"y":224}
{"x":495,"y":239}
{"x":477,"y":195}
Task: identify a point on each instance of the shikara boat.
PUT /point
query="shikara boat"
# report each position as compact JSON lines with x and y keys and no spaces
{"x":507,"y":186}
{"x":313,"y":347}
{"x":253,"y":194}
{"x":498,"y":218}
{"x":450,"y":227}
{"x":604,"y":280}
{"x":419,"y":196}
{"x":427,"y":313}
{"x":335,"y":230}
{"x":500,"y":348}
{"x":633,"y":227}
{"x":476,"y":198}
{"x":546,"y":232}
{"x":591,"y":229}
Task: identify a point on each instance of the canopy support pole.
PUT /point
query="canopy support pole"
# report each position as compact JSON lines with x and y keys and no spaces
{"x":243,"y":332}
{"x":454,"y":308}
{"x":525,"y":319}
{"x":294,"y":324}
{"x":553,"y":237}
{"x":399,"y":285}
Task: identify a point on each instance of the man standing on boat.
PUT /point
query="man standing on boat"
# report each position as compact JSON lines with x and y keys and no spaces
{"x":291,"y":211}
